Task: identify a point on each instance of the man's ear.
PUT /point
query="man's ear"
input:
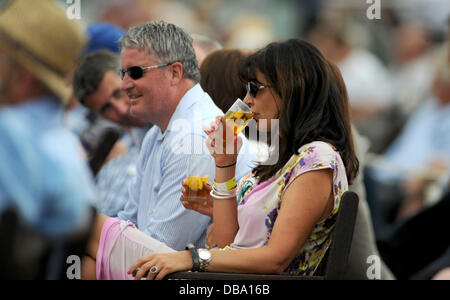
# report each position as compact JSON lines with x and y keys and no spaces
{"x":176,"y":72}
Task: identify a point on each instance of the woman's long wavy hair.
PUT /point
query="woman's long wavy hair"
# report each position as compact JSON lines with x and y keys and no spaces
{"x":314,"y":101}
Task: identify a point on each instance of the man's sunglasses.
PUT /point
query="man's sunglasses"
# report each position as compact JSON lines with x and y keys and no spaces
{"x":253,"y":88}
{"x":137,"y":72}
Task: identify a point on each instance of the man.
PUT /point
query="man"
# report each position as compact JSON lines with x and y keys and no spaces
{"x":97,"y":86}
{"x":42,"y":175}
{"x":161,"y":77}
{"x":100,"y":36}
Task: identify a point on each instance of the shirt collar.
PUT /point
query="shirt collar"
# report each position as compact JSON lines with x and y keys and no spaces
{"x":190,"y":98}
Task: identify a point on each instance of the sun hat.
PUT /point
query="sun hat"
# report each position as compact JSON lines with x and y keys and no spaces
{"x":39,"y":36}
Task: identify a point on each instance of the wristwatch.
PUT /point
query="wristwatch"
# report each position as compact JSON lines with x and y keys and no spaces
{"x":205,"y":258}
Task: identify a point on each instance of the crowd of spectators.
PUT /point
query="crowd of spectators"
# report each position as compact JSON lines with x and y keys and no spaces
{"x":396,"y":70}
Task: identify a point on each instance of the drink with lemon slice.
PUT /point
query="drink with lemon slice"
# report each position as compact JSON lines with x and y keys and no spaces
{"x":240,"y":120}
{"x":196,"y":188}
{"x":239,"y":115}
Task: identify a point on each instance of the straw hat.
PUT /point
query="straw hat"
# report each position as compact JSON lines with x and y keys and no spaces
{"x":39,"y":36}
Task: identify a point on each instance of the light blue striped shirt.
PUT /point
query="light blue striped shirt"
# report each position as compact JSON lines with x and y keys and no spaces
{"x":154,"y":204}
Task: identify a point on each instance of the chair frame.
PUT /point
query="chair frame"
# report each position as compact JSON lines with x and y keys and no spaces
{"x":335,"y":263}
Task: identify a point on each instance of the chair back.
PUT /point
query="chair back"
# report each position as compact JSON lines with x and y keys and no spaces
{"x":337,"y":260}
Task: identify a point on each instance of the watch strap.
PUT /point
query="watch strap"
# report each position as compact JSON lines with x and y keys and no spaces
{"x":195,"y":257}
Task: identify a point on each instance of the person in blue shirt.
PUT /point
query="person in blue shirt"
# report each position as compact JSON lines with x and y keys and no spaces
{"x":45,"y":183}
{"x":161,"y":77}
{"x":42,"y":173}
{"x":420,"y":154}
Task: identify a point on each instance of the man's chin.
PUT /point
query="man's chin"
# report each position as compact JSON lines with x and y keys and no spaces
{"x":134,"y":120}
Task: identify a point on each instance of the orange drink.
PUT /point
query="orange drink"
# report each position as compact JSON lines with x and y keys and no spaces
{"x":240,"y":119}
{"x":195,"y":188}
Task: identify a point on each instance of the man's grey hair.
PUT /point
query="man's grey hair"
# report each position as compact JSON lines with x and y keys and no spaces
{"x":90,"y":72}
{"x":166,"y":43}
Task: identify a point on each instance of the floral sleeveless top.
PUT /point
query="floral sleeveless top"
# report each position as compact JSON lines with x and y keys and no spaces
{"x":259,"y":204}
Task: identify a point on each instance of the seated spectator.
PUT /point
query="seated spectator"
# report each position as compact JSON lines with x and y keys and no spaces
{"x":421,"y":151}
{"x":161,"y":77}
{"x":268,"y":223}
{"x":42,"y":174}
{"x":85,"y":123}
{"x":220,"y":80}
{"x":98,"y":86}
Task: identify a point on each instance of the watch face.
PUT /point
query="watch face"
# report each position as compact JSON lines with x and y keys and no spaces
{"x":204,"y":254}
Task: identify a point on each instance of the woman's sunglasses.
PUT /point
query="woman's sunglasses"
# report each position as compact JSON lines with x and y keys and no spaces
{"x":253,"y":88}
{"x":137,"y":72}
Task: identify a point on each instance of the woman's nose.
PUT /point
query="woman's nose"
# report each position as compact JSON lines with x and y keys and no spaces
{"x":248,"y":100}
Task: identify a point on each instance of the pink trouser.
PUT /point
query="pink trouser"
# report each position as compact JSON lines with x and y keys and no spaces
{"x":121,"y":244}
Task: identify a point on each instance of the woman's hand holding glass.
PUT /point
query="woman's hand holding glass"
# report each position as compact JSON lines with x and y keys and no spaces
{"x":223,"y":145}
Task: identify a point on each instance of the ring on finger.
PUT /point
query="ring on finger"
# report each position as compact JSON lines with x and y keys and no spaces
{"x":154,"y":270}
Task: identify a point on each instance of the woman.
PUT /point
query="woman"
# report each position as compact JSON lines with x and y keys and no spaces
{"x":280,"y":218}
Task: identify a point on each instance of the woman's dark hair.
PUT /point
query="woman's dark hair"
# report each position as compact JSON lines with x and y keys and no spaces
{"x":314,"y":101}
{"x":220,"y":77}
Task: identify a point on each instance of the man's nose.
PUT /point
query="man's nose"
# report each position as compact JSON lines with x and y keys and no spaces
{"x":122,"y":105}
{"x":127,"y":83}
